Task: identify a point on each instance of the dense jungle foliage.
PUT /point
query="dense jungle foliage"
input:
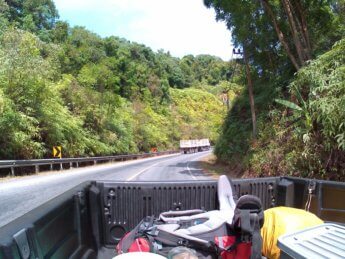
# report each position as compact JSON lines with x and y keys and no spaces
{"x":62,"y":85}
{"x":296,"y":53}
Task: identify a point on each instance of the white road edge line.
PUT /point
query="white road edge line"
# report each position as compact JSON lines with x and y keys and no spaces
{"x":190,"y":172}
{"x":195,"y":159}
{"x":143,"y":170}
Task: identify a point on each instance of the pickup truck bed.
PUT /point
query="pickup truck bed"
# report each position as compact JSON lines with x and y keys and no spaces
{"x":88,"y":220}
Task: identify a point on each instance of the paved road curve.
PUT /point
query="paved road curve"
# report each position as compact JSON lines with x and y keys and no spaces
{"x":20,"y":195}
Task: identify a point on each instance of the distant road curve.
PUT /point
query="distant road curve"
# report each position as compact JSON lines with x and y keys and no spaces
{"x":20,"y":195}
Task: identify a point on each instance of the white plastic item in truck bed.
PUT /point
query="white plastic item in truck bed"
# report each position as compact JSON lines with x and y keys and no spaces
{"x":323,"y":241}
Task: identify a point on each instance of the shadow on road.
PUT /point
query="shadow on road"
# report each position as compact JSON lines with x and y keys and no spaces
{"x":196,"y":168}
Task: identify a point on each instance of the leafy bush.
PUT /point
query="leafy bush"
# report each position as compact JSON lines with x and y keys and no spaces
{"x":308,"y":138}
{"x":85,"y":113}
{"x":62,"y":85}
{"x":322,"y":85}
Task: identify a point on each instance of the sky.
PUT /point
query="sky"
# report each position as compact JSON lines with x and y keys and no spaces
{"x":181,"y":27}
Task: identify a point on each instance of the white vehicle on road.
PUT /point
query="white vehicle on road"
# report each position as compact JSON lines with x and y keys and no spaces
{"x":194,"y":145}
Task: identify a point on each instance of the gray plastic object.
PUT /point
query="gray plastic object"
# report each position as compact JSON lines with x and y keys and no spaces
{"x":323,"y":241}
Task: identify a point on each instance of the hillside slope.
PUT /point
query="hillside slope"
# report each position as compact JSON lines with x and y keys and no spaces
{"x":66,"y":86}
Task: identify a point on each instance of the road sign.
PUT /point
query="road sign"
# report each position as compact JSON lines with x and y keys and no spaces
{"x":57,"y":151}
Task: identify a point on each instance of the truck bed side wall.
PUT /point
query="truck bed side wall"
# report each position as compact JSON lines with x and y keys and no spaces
{"x":328,"y":198}
{"x":57,"y":229}
{"x":82,"y":222}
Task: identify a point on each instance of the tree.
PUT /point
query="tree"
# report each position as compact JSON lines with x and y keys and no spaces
{"x":38,"y":16}
{"x":251,"y":94}
{"x":99,"y":77}
{"x":82,"y":47}
{"x":62,"y":85}
{"x":59,"y":33}
{"x":297,"y":25}
{"x":4,"y":12}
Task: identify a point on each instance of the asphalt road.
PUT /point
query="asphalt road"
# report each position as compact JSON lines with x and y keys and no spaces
{"x":20,"y":195}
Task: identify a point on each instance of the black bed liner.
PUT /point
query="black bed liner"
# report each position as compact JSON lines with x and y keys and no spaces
{"x":88,"y":220}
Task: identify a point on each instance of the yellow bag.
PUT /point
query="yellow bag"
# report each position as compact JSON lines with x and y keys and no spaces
{"x":282,"y":220}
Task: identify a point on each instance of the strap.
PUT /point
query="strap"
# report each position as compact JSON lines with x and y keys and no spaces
{"x":151,"y":243}
{"x":169,"y":239}
{"x":142,"y":229}
{"x":245,"y":221}
{"x":256,"y":237}
{"x":128,"y":240}
{"x":248,"y":222}
{"x":173,"y":216}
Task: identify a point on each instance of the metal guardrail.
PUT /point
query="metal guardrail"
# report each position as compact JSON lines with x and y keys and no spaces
{"x":77,"y":162}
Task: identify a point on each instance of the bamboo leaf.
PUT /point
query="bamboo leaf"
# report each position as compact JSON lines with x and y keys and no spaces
{"x":288,"y":104}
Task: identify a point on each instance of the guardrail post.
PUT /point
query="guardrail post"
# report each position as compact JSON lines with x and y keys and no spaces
{"x":12,"y":171}
{"x":37,"y":169}
{"x":70,"y":165}
{"x":77,"y":164}
{"x":61,"y":167}
{"x":51,"y":167}
{"x":94,"y":162}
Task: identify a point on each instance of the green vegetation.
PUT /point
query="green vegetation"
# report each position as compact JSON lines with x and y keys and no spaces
{"x":62,"y":85}
{"x":296,"y":58}
{"x":97,"y":96}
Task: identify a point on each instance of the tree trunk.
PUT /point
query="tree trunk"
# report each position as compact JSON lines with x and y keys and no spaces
{"x":301,"y":34}
{"x":270,"y":60}
{"x":305,"y":32}
{"x":251,"y":94}
{"x":294,"y":31}
{"x":280,"y":35}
